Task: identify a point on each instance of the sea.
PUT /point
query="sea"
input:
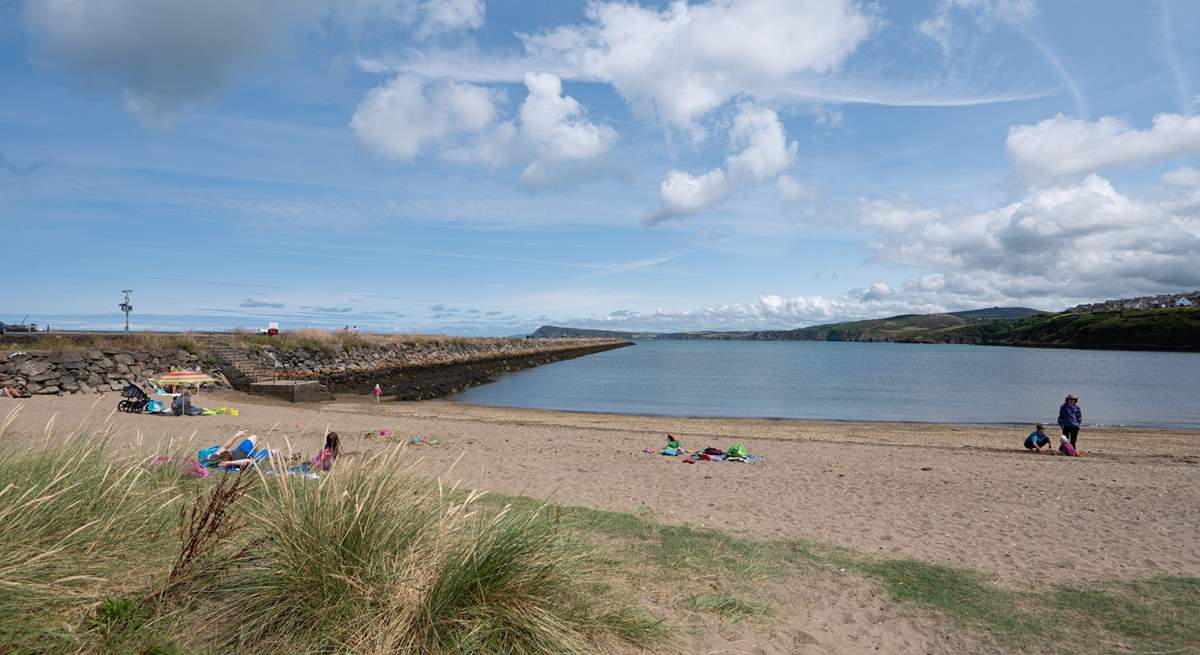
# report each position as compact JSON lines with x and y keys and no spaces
{"x":862,"y":382}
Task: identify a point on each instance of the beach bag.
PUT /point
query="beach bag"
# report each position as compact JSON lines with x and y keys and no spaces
{"x":737,"y":450}
{"x":154,"y":406}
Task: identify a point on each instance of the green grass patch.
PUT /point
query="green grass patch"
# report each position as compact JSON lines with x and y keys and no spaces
{"x":730,"y":607}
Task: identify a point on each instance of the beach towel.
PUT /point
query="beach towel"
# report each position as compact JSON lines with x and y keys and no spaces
{"x":671,"y":452}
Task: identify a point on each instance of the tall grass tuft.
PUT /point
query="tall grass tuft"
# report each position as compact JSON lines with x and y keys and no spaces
{"x":73,"y":519}
{"x":373,"y":559}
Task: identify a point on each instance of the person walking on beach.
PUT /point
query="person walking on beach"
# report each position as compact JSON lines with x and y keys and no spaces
{"x":378,"y":392}
{"x":1070,"y":417}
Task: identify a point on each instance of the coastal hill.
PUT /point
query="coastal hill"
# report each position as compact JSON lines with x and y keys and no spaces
{"x":1151,"y":323}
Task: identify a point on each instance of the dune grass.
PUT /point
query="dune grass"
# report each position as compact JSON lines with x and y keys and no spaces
{"x":104,"y":555}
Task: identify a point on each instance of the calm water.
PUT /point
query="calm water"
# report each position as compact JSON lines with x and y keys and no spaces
{"x":862,"y":381}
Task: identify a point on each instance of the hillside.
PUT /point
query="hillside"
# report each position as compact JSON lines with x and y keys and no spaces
{"x":1165,"y":328}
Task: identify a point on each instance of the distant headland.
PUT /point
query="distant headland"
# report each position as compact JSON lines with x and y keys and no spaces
{"x":1162,"y":322}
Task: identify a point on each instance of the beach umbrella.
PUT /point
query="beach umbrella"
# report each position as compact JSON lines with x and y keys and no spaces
{"x":183,"y":377}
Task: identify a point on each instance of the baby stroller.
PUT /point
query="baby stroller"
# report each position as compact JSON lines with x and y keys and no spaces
{"x":135,"y":399}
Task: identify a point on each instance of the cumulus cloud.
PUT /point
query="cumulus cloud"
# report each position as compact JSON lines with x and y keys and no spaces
{"x":771,"y":311}
{"x":405,"y":116}
{"x":683,"y":193}
{"x":550,"y":134}
{"x":676,"y":64}
{"x":251,"y":302}
{"x":763,"y":153}
{"x":1064,"y":146}
{"x":1073,"y":242}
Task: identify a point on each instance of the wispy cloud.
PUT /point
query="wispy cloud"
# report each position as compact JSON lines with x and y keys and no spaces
{"x":1171,"y":55}
{"x":251,"y":302}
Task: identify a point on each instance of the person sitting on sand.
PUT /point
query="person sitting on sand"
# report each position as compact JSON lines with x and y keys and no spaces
{"x":1037,"y":439}
{"x":13,"y":392}
{"x":182,"y":405}
{"x":228,"y":455}
{"x":1065,"y":447}
{"x":333,"y":448}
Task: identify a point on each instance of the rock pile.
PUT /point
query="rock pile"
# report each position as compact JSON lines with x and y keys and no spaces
{"x":89,"y":371}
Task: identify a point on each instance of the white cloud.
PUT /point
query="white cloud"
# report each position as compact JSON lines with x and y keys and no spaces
{"x":1063,"y":146}
{"x":405,"y":116}
{"x":551,"y":136}
{"x":439,"y":16}
{"x":677,"y":64}
{"x":764,"y":152}
{"x":684,"y":194}
{"x":1184,"y":177}
{"x":1056,"y":245}
{"x":554,"y":126}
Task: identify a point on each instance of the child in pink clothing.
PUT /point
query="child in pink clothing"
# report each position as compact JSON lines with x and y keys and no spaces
{"x":1065,"y":447}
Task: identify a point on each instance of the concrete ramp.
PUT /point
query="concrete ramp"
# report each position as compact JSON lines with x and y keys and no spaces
{"x":296,"y":391}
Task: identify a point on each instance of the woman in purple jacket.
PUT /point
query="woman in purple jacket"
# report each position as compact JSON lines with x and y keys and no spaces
{"x":1070,"y":417}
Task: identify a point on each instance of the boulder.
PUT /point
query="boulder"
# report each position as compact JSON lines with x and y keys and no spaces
{"x":75,"y":366}
{"x":44,"y":375}
{"x":124,"y":359}
{"x":33,"y":387}
{"x":70,"y":387}
{"x":84,"y":387}
{"x":33,"y":367}
{"x":47,"y":391}
{"x":115,"y":385}
{"x":93,"y":355}
{"x":69,"y":357}
{"x":105,"y":363}
{"x":94,"y":380}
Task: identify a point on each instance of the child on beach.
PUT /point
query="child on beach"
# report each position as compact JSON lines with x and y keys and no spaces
{"x":378,"y":392}
{"x":1037,"y":439}
{"x":333,"y":447}
{"x":1065,"y":447}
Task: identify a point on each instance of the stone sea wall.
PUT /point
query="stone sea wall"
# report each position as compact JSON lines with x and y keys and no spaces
{"x":88,"y":371}
{"x":422,"y":370}
{"x":406,"y":370}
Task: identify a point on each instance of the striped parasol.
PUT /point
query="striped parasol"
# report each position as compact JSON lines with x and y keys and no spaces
{"x":184,"y":377}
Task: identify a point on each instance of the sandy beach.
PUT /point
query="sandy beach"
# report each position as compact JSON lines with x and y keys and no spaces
{"x":966,"y":496}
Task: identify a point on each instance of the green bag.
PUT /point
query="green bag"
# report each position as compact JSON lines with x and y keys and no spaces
{"x":737,"y":450}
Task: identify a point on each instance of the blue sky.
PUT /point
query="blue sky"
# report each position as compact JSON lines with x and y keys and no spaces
{"x":483,"y":167}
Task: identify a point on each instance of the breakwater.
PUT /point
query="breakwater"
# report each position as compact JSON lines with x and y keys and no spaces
{"x":408,"y":367}
{"x":422,"y":371}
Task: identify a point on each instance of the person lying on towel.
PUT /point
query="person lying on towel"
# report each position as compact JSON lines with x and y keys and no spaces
{"x":228,"y":455}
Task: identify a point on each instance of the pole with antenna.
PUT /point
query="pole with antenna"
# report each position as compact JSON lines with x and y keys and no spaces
{"x":126,"y":306}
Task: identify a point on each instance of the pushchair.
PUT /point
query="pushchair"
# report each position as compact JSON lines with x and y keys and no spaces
{"x":135,"y":399}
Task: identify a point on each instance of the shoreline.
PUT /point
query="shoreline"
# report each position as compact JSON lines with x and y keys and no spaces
{"x":725,"y":417}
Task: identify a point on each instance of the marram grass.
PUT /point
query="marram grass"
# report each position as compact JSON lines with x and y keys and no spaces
{"x":106,"y":554}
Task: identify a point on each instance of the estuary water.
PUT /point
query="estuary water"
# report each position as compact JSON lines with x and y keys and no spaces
{"x":862,"y":382}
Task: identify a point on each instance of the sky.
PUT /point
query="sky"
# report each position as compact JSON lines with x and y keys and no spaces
{"x":489,"y":166}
